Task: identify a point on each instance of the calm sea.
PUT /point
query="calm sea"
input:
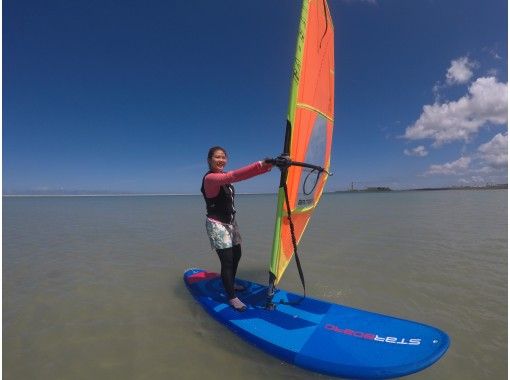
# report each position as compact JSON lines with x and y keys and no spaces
{"x":92,"y":286}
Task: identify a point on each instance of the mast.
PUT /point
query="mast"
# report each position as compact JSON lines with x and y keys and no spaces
{"x":306,"y":152}
{"x":296,"y":72}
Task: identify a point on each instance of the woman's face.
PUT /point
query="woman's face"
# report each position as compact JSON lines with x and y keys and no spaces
{"x":218,"y":161}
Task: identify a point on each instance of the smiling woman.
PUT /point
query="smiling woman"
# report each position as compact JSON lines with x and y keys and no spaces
{"x":216,"y":158}
{"x":221,"y":225}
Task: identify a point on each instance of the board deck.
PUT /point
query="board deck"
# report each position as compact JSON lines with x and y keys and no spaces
{"x":320,"y":336}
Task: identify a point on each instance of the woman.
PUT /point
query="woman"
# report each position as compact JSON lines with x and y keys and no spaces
{"x":221,"y":225}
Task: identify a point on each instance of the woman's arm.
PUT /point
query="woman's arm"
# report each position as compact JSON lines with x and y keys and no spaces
{"x":213,"y":181}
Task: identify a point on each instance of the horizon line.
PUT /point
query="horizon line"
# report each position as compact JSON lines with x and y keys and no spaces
{"x":452,"y":187}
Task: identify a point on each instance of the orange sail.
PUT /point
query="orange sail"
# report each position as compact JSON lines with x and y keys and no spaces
{"x":309,"y":130}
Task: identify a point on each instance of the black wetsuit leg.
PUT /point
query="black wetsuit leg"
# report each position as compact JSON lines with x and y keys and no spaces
{"x":229,"y":258}
{"x":237,"y":257}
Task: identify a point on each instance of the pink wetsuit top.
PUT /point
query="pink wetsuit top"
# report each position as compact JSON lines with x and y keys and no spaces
{"x":213,"y":181}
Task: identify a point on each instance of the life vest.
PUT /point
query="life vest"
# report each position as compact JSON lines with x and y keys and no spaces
{"x":221,"y":207}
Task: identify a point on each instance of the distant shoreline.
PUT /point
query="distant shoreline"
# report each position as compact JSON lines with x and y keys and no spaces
{"x":503,"y":186}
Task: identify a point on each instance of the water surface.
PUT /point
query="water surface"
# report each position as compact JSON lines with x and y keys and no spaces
{"x":92,"y":286}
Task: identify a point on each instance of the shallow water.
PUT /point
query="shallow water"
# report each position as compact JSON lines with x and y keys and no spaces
{"x":92,"y":286}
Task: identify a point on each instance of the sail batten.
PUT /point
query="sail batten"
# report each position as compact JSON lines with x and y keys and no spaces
{"x":309,"y":132}
{"x":311,"y":108}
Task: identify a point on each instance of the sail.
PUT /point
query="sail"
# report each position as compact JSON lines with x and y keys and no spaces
{"x":309,"y":130}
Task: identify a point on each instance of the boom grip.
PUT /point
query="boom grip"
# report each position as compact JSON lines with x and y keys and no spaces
{"x":284,"y":162}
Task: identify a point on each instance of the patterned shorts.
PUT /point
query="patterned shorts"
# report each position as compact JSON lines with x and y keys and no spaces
{"x":222,"y":235}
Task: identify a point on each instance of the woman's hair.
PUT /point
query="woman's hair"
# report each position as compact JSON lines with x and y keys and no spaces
{"x":214,"y":149}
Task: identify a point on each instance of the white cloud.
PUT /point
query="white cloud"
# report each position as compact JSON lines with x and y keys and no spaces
{"x":495,"y":152}
{"x":477,"y":179}
{"x":486,"y":102}
{"x":460,"y":71}
{"x":473,"y":181}
{"x":419,"y":151}
{"x":455,"y":167}
{"x":490,"y":158}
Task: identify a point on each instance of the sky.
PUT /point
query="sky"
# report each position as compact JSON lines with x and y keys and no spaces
{"x":128,"y":96}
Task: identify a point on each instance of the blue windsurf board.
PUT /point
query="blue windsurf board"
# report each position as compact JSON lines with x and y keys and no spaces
{"x":320,"y":336}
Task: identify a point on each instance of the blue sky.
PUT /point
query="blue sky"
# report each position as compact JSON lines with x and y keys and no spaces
{"x":127,"y":96}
